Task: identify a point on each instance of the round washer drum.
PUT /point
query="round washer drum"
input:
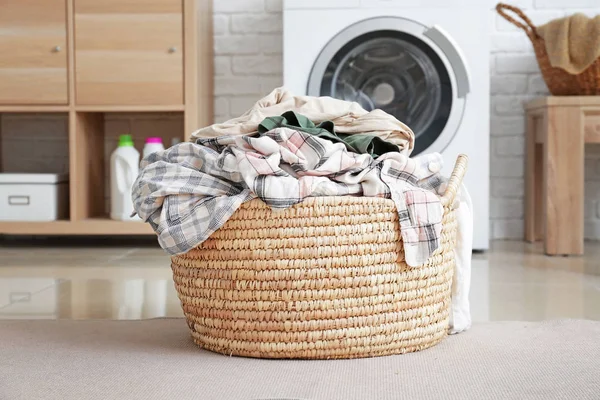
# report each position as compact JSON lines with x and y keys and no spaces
{"x":411,"y":71}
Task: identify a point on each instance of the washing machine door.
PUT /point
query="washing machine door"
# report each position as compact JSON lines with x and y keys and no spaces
{"x":414,"y":72}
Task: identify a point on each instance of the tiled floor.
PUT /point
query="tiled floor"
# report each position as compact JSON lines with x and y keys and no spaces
{"x":513,"y":281}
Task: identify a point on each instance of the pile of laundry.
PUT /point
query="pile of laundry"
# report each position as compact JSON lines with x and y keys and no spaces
{"x":286,"y":148}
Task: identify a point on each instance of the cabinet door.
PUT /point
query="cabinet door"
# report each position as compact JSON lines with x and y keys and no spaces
{"x":129,"y":52}
{"x":33,"y":52}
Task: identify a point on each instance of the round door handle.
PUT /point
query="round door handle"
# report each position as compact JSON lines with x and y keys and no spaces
{"x":56,"y":49}
{"x":172,"y":49}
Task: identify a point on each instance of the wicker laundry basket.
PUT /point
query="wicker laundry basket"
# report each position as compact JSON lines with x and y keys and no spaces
{"x":559,"y":81}
{"x":323,"y":279}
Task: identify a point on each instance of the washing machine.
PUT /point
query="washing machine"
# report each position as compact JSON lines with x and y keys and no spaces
{"x":426,"y":62}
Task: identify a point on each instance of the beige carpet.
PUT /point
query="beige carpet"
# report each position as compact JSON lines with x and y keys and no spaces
{"x":155,"y":359}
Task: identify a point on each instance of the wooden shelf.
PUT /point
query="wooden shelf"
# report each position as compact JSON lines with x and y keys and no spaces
{"x":100,"y":109}
{"x":33,"y":109}
{"x":92,"y":226}
{"x":563,"y":101}
{"x":131,"y":108}
{"x":169,"y":59}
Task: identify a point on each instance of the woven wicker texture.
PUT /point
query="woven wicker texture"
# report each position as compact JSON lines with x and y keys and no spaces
{"x":559,"y":81}
{"x":322,"y":279}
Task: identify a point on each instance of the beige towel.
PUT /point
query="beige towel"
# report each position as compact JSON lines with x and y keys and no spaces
{"x":572,"y":43}
{"x":348,"y":118}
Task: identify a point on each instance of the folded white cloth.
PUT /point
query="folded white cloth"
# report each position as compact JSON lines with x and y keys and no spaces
{"x":348,"y":117}
{"x":460,"y":317}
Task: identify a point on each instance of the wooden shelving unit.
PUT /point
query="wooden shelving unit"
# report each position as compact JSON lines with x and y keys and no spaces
{"x":151,"y":57}
{"x":90,"y":226}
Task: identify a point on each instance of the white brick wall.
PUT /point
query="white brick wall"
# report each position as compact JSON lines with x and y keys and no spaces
{"x":248,"y":53}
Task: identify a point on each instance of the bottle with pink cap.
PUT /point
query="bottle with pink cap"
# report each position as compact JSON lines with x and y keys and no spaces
{"x":153,"y":144}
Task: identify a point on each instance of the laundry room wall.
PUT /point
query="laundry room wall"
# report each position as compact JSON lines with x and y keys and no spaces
{"x":248,"y":64}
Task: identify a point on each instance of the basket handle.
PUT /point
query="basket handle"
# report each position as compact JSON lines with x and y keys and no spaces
{"x":530,"y":29}
{"x":460,"y":167}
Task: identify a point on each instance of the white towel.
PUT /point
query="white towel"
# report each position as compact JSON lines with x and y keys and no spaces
{"x":460,"y":317}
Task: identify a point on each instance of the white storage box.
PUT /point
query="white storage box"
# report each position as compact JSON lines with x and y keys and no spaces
{"x":34,"y":197}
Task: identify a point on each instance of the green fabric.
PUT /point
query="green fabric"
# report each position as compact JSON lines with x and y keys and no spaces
{"x":357,"y":143}
{"x":290,"y":119}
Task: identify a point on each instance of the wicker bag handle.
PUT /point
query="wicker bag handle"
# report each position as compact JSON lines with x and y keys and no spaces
{"x":460,"y":167}
{"x":530,"y":29}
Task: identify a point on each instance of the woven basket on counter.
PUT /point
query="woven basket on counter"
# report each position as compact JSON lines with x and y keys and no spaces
{"x":559,"y":81}
{"x":323,"y":279}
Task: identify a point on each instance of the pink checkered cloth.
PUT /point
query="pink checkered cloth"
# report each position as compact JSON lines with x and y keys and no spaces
{"x":190,"y":190}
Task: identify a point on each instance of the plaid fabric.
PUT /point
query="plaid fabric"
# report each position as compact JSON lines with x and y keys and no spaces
{"x":190,"y":190}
